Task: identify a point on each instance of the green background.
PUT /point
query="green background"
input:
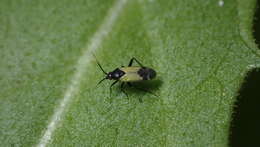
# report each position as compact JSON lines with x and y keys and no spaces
{"x":200,"y":50}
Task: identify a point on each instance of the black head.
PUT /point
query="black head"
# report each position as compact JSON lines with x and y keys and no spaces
{"x":115,"y":75}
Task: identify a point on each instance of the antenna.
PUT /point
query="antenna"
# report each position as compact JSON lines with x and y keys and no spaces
{"x":101,"y":81}
{"x":99,"y":65}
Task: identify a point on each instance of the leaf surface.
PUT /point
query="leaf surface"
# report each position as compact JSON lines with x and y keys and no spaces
{"x":200,"y":49}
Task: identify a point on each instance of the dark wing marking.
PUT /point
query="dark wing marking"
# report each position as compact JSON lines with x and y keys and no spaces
{"x":146,"y":73}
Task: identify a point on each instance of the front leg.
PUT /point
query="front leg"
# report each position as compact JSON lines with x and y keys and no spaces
{"x":110,"y":89}
{"x":122,"y":89}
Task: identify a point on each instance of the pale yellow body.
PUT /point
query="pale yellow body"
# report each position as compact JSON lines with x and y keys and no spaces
{"x":131,"y":74}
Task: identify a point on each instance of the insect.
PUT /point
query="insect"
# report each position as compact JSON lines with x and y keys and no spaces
{"x":129,"y":74}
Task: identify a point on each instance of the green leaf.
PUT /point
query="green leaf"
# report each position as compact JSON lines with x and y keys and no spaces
{"x":200,"y":49}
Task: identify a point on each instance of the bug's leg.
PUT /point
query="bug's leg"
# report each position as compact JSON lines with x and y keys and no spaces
{"x":110,"y":89}
{"x":134,"y":59}
{"x":130,"y":85}
{"x":130,"y":63}
{"x":142,"y":89}
{"x":140,"y":100}
{"x":122,"y":89}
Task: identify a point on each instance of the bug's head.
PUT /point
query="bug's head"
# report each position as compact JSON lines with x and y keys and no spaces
{"x":115,"y":75}
{"x":109,"y":76}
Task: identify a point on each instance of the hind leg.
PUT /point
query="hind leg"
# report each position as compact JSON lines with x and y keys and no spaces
{"x":141,"y":89}
{"x":134,"y":59}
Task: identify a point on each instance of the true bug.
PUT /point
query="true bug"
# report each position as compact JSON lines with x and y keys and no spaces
{"x":129,"y":74}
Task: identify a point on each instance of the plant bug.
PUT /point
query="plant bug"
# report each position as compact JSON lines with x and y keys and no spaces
{"x":129,"y":74}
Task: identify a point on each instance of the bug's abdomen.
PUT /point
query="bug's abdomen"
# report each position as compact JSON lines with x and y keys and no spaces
{"x":146,"y":73}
